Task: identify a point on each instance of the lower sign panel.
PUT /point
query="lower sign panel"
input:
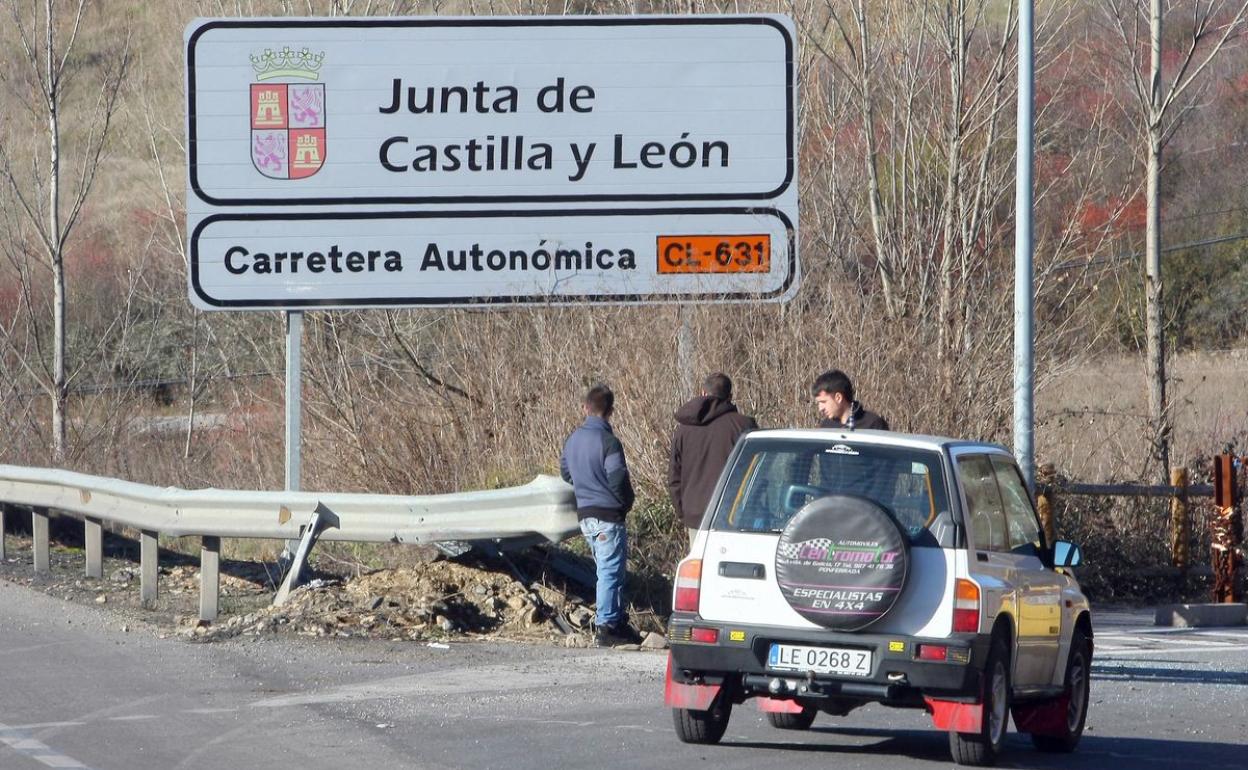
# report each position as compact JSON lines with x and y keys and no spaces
{"x":372,"y":259}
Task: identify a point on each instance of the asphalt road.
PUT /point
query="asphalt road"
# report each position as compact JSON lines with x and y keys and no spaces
{"x":76,"y":691}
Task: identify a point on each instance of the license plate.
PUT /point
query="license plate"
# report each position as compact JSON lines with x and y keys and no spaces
{"x":821,"y":660}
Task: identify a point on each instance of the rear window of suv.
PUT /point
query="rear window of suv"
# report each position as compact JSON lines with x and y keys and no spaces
{"x":773,"y":479}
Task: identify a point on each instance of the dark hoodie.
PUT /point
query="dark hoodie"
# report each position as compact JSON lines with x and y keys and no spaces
{"x":706,"y":431}
{"x":859,"y":419}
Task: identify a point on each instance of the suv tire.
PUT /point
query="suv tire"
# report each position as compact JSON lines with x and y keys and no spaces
{"x":703,"y":727}
{"x":799,"y":721}
{"x":982,"y":748}
{"x":1078,"y":669}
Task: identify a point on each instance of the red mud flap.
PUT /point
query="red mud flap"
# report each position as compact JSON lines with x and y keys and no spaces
{"x":1046,"y":718}
{"x":959,"y":717}
{"x":697,"y":697}
{"x":778,"y":706}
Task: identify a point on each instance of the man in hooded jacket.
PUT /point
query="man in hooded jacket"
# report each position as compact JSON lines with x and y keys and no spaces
{"x":707,"y":428}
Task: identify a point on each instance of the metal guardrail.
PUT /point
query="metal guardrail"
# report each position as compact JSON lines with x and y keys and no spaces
{"x":1129,"y":490}
{"x":543,"y":509}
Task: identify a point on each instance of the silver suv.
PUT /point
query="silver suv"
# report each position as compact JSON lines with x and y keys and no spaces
{"x":837,"y":568}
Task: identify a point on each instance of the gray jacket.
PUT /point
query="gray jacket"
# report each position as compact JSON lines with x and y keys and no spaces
{"x":593,"y":463}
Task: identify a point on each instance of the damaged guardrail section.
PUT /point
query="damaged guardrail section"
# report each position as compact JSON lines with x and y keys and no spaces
{"x":543,"y":509}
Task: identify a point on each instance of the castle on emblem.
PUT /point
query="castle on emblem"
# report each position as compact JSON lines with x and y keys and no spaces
{"x":287,"y":118}
{"x":307,"y":153}
{"x":269,"y":112}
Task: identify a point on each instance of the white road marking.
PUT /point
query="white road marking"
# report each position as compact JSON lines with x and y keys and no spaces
{"x":22,"y":743}
{"x":133,"y":718}
{"x":1185,"y":640}
{"x":41,"y":725}
{"x":1117,"y":653}
{"x":1167,"y":641}
{"x":57,"y":760}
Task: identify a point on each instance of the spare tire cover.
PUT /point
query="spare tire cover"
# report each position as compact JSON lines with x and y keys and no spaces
{"x":842,"y":562}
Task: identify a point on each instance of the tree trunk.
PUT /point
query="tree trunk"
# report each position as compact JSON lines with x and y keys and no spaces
{"x":948,"y":340}
{"x":56,"y":246}
{"x":883,"y":257}
{"x":1154,"y":338}
{"x":685,"y":350}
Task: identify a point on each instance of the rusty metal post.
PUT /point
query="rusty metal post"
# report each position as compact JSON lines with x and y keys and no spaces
{"x":1046,"y":475}
{"x":1225,"y":531}
{"x":1180,"y":523}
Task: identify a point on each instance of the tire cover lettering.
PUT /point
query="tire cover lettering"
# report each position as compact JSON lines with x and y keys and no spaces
{"x":842,"y":562}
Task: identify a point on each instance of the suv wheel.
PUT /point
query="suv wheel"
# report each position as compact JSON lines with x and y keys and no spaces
{"x":1078,"y":668}
{"x":981,"y":748}
{"x":802,"y":720}
{"x":694,"y":726}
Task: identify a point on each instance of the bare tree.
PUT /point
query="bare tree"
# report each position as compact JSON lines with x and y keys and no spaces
{"x":1162,"y":101}
{"x":38,"y":71}
{"x":932,"y":87}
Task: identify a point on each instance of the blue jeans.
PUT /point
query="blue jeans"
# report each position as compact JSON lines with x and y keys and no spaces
{"x":608,"y":542}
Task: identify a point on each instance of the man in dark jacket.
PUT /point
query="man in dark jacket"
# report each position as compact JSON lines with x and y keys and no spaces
{"x":707,"y":428}
{"x":834,"y":395}
{"x":593,"y":463}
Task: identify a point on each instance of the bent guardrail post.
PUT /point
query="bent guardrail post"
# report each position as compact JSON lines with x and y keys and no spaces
{"x":209,"y":577}
{"x":149,"y":567}
{"x":93,"y":544}
{"x":39,"y":536}
{"x":322,"y":518}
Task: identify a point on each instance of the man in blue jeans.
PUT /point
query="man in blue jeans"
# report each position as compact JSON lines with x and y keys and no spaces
{"x":593,"y":463}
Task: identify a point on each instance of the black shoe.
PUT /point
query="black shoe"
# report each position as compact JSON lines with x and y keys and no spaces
{"x":612,"y":636}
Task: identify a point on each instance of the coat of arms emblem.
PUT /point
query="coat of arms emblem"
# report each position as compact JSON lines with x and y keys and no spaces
{"x":287,"y":118}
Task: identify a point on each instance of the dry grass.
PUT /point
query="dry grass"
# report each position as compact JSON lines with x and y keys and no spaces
{"x":1091,"y":418}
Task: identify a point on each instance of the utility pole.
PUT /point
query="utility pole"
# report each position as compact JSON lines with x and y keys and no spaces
{"x":1024,"y":351}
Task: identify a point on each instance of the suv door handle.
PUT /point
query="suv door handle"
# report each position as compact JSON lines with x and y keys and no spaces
{"x":981,"y":556}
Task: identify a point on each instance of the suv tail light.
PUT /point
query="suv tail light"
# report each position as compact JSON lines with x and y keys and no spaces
{"x":688,"y":585}
{"x":966,"y":607}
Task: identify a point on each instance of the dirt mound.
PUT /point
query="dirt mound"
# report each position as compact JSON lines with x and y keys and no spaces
{"x":431,"y":601}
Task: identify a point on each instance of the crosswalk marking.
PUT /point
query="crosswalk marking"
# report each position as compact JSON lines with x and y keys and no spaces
{"x":24,"y":744}
{"x":1168,"y":641}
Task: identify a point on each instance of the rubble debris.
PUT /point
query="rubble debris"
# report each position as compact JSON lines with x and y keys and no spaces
{"x":431,"y":601}
{"x":654,"y":641}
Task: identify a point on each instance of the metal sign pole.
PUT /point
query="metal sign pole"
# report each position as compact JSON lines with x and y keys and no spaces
{"x":294,"y":397}
{"x":291,"y":558}
{"x":1024,"y":354}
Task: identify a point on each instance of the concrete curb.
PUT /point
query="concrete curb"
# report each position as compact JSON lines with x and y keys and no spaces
{"x":1201,"y":615}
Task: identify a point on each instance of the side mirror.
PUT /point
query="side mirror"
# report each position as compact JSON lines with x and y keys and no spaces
{"x":1066,"y":554}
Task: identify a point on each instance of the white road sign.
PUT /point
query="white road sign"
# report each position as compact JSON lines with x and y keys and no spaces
{"x":666,"y":143}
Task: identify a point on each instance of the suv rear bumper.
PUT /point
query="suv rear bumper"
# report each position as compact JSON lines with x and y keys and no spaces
{"x":738,"y":661}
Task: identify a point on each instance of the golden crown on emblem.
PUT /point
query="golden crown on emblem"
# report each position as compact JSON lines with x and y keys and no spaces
{"x":288,"y":63}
